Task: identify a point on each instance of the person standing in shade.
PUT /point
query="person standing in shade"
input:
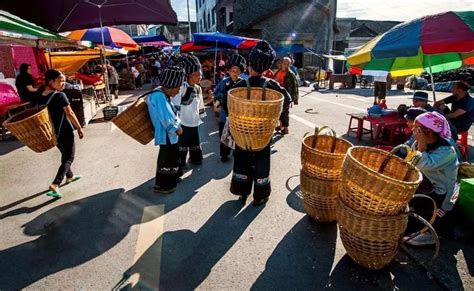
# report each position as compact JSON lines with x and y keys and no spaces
{"x":252,"y":168}
{"x":113,"y":79}
{"x":285,"y":77}
{"x":167,"y":124}
{"x":380,"y":88}
{"x":236,"y":66}
{"x":190,"y":105}
{"x":64,"y":121}
{"x":25,"y":83}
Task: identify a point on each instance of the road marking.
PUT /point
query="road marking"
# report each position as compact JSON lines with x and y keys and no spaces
{"x":303,"y":121}
{"x":147,"y":273}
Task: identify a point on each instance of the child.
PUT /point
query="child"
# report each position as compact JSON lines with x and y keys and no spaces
{"x":167,"y":129}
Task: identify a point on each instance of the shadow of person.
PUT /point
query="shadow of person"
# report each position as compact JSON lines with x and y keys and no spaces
{"x":187,"y":257}
{"x":7,"y":146}
{"x":70,"y":235}
{"x":24,"y":210}
{"x":302,"y":260}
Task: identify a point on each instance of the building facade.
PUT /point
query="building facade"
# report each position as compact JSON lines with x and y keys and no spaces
{"x":134,"y":29}
{"x":206,"y":15}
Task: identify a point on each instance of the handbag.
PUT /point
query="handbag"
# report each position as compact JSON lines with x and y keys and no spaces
{"x":226,"y":137}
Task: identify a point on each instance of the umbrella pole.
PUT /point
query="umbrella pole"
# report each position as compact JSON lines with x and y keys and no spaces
{"x":50,"y":61}
{"x":432,"y":79}
{"x":102,"y":59}
{"x":215,"y":65}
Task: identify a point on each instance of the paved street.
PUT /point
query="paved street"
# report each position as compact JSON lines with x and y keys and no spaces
{"x":111,"y":231}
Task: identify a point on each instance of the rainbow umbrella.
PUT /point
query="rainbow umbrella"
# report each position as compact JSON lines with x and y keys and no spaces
{"x":433,"y":44}
{"x":113,"y":37}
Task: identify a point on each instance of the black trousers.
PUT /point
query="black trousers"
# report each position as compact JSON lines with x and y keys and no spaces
{"x":224,"y":150}
{"x":189,"y":141}
{"x":380,"y":89}
{"x":138,"y":81}
{"x":67,"y":148}
{"x":167,"y":166}
{"x":285,"y":117}
{"x":251,"y":168}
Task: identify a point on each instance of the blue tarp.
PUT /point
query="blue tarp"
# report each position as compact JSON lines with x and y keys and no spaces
{"x":149,"y":38}
{"x":221,"y":39}
{"x":291,"y":48}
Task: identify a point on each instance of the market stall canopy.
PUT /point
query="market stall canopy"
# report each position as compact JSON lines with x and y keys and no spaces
{"x":222,"y":40}
{"x":152,"y":40}
{"x":113,"y":37}
{"x":290,"y":48}
{"x":16,"y":31}
{"x":434,"y":43}
{"x":70,"y":62}
{"x":69,"y":15}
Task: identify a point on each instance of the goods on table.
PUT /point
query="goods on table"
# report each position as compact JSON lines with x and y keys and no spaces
{"x":135,"y":121}
{"x":34,"y":128}
{"x":466,"y":169}
{"x":253,"y":115}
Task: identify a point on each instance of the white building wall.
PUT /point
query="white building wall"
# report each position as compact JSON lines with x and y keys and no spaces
{"x":206,"y":15}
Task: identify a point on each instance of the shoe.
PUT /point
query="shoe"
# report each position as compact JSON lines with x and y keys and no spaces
{"x":243,"y":198}
{"x":72,"y":179}
{"x":278,"y":128}
{"x":160,"y":190}
{"x":260,"y":201}
{"x":284,"y":130}
{"x":423,"y":239}
{"x":224,"y":159}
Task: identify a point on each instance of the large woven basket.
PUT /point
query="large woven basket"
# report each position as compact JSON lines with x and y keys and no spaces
{"x":371,"y":241}
{"x":135,"y":122}
{"x":322,"y":156}
{"x":34,"y":128}
{"x":254,"y":116}
{"x":320,"y":197}
{"x":377,"y":182}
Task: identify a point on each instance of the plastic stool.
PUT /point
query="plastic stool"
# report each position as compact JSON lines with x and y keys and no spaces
{"x":462,"y":143}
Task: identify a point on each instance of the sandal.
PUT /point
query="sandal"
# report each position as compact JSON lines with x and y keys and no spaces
{"x":73,"y":179}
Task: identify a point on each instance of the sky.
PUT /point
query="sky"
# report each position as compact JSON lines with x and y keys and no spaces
{"x":401,"y":10}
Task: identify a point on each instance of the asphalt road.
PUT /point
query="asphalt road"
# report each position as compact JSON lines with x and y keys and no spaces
{"x":111,"y":231}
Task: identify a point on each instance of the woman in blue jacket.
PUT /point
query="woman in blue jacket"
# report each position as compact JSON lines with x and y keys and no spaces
{"x":167,"y":129}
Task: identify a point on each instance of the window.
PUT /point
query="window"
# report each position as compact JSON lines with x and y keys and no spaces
{"x":231,"y":17}
{"x":205,"y":23}
{"x":209,"y":20}
{"x":213,"y":12}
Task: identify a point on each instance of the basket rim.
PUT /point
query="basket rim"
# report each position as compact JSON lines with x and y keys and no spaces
{"x":7,"y":122}
{"x":349,"y":156}
{"x":256,"y":101}
{"x":327,"y":153}
{"x":365,"y":216}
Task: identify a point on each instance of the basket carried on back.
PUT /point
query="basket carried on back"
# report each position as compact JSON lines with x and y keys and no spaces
{"x":253,"y":115}
{"x":135,"y":121}
{"x":371,"y":241}
{"x":322,"y":156}
{"x":34,"y":128}
{"x":320,"y":197}
{"x":377,"y":182}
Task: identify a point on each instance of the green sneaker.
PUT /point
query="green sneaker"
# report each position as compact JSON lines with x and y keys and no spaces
{"x":54,"y":194}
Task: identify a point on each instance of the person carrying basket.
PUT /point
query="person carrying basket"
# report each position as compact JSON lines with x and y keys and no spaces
{"x":167,"y":126}
{"x":253,"y":167}
{"x":64,"y":121}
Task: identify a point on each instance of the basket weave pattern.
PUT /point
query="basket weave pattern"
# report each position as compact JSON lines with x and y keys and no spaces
{"x":371,"y":241}
{"x":319,"y":161}
{"x":320,"y":197}
{"x":370,"y":192}
{"x":34,"y":128}
{"x":135,"y":122}
{"x":253,"y":121}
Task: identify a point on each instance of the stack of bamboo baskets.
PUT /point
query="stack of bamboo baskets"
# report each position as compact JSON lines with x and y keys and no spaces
{"x":372,"y":206}
{"x":322,"y":157}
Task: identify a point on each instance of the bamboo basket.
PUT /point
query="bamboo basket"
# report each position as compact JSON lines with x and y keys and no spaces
{"x":135,"y":121}
{"x":320,"y":197}
{"x":34,"y":128}
{"x":371,"y":241}
{"x":322,"y":156}
{"x":253,"y":115}
{"x":377,"y":182}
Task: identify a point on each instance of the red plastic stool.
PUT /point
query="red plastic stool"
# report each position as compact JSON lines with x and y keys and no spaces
{"x":462,"y":143}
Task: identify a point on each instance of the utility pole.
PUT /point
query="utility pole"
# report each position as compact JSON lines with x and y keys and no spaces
{"x":189,"y":22}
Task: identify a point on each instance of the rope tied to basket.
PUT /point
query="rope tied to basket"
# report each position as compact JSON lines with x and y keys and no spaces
{"x":320,"y":131}
{"x":264,"y":87}
{"x":412,"y":158}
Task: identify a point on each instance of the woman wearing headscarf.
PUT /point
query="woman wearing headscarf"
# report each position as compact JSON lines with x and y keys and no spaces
{"x":287,"y":79}
{"x":438,"y":164}
{"x":25,"y":83}
{"x":236,"y":66}
{"x":167,"y":129}
{"x":190,"y":105}
{"x":252,"y":168}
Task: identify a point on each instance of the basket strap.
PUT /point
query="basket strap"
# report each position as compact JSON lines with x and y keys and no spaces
{"x":385,"y":162}
{"x":62,"y":117}
{"x":429,"y":227}
{"x":264,"y":94}
{"x":247,"y":82}
{"x":319,"y":131}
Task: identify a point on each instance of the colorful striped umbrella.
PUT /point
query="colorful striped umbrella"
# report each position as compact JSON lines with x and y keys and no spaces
{"x":434,"y":43}
{"x":113,"y":37}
